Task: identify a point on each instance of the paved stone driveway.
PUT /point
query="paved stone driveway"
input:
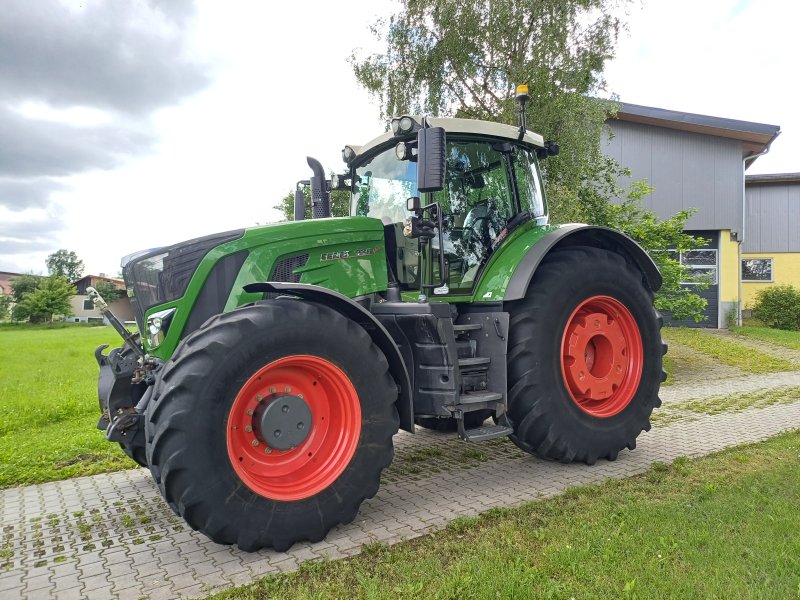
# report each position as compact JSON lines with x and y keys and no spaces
{"x":112,"y":536}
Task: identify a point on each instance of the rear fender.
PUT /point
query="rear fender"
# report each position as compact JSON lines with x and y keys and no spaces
{"x":577,"y":234}
{"x":355,"y":312}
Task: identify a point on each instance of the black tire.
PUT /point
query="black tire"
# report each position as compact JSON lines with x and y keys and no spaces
{"x":187,"y":421}
{"x":448,"y":424}
{"x":136,"y":448}
{"x":547,"y":421}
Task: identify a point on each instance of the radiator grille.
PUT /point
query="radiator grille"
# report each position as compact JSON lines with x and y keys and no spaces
{"x":284,"y":269}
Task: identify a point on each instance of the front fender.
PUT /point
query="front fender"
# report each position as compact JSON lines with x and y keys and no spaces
{"x":578,"y":234}
{"x":355,"y":312}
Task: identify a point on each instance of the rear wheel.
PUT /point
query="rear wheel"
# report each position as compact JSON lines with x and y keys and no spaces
{"x":584,"y":360}
{"x":271,"y":424}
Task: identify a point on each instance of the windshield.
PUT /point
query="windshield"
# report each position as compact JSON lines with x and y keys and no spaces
{"x":382,"y":187}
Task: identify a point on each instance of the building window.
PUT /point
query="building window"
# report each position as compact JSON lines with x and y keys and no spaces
{"x":702,"y":265}
{"x":756,"y":269}
{"x":88,"y":305}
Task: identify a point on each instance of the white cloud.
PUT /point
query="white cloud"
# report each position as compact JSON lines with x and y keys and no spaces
{"x":282,"y":89}
{"x":727,"y":58}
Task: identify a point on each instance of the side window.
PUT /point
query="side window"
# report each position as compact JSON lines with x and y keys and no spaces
{"x":476,"y":204}
{"x":529,"y":185}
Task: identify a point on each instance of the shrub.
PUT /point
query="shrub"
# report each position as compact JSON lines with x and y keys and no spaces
{"x":778,"y":306}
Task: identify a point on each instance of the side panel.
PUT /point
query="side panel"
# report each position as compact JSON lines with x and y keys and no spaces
{"x":346,"y":255}
{"x":503,"y":263}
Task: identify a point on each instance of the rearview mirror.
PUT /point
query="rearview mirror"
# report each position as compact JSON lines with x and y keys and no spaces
{"x":413,"y":204}
{"x":431,"y":155}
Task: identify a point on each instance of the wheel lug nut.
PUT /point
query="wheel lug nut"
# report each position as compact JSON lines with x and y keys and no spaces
{"x":300,"y":425}
{"x":259,"y":398}
{"x":287,"y":389}
{"x":254,"y":443}
{"x":250,"y":412}
{"x":277,"y":433}
{"x":267,"y":450}
{"x":248,"y":429}
{"x":272,"y":389}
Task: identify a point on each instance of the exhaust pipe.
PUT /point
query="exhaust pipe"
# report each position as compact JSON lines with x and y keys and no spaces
{"x":320,"y":197}
{"x":300,"y":200}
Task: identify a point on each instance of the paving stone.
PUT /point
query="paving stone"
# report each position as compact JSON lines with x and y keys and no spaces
{"x":183,"y":563}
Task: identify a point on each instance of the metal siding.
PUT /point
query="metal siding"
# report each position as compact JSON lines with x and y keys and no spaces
{"x":667,"y":196}
{"x":636,"y":153}
{"x":773,"y":218}
{"x":752,"y":240}
{"x":687,"y":170}
{"x":728,"y":184}
{"x":698,"y":182}
{"x":793,"y":220}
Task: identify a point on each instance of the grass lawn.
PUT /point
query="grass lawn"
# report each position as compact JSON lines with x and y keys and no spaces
{"x":48,"y":404}
{"x":724,"y":526}
{"x":789,"y":339}
{"x":726,"y":350}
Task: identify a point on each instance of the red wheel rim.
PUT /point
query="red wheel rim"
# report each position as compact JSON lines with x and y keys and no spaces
{"x":317,"y":462}
{"x":602,"y":356}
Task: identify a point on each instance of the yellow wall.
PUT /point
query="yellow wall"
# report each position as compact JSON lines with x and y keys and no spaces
{"x":728,"y":268}
{"x":785,"y":269}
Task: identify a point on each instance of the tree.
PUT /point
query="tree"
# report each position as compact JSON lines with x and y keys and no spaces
{"x":65,"y":263}
{"x":108,"y":291}
{"x":465,"y":59}
{"x":24,"y":284}
{"x":5,"y":304}
{"x":51,"y":297}
{"x":340,"y":204}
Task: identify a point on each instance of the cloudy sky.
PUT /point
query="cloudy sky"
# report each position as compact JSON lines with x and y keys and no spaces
{"x":128,"y":125}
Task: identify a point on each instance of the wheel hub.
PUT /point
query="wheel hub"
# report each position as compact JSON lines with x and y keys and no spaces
{"x":283,"y":421}
{"x":602,"y":356}
{"x":293,"y":427}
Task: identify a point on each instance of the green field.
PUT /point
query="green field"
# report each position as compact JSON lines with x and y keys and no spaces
{"x":48,"y":405}
{"x":724,"y":526}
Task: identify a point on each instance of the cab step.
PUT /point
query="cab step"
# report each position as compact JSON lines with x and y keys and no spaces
{"x":478,"y":362}
{"x":485,"y":432}
{"x":461,"y":327}
{"x":479,"y":398}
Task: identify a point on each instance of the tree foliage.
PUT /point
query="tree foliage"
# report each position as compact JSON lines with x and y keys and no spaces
{"x":51,"y":297}
{"x":108,"y":291}
{"x":66,"y":264}
{"x":24,"y":284}
{"x":465,"y":59}
{"x":5,"y":305}
{"x":340,"y":204}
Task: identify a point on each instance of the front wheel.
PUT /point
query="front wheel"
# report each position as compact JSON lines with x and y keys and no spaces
{"x":272,"y":424}
{"x":584,"y":360}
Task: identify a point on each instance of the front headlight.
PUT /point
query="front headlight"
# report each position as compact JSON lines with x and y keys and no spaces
{"x":157,"y":326}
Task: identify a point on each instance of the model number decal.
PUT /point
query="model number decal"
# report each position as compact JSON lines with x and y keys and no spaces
{"x":344,"y":254}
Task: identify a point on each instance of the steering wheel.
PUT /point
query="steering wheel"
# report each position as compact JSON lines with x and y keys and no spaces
{"x":478,"y":220}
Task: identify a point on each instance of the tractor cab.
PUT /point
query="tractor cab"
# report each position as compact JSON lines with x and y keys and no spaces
{"x":491,"y":186}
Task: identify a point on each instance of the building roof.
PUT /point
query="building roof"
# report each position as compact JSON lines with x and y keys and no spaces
{"x":772,"y":178}
{"x":92,"y":278}
{"x":755,"y":137}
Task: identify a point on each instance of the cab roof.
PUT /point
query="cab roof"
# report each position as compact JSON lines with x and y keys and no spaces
{"x":454,"y":125}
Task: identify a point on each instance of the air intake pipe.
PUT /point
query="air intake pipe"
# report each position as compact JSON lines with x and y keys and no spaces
{"x":320,"y":197}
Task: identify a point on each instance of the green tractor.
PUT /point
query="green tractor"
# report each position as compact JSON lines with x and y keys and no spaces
{"x":275,"y":363}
